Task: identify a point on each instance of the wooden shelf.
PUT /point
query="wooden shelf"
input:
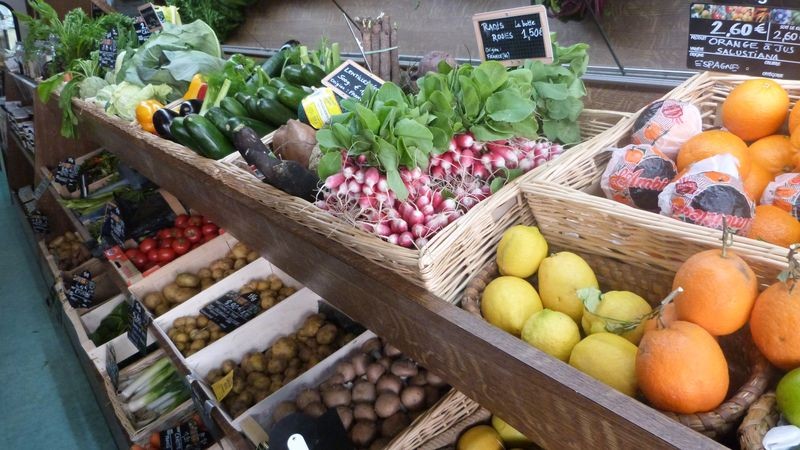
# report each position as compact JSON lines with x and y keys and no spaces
{"x":543,"y":398}
{"x":30,"y":157}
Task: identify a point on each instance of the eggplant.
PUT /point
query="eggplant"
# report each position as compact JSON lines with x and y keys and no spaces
{"x":192,"y":106}
{"x":289,"y":176}
{"x":162,"y":120}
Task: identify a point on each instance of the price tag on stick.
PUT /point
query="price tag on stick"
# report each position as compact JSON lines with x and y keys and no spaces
{"x":223,"y":387}
{"x":67,"y":174}
{"x":349,"y":80}
{"x":81,"y":292}
{"x":761,"y":40}
{"x":140,"y":320}
{"x":513,"y":35}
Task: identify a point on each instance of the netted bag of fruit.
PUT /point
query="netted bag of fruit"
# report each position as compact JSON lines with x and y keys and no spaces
{"x":636,"y":175}
{"x":784,"y":192}
{"x":707,"y":192}
{"x":667,"y":124}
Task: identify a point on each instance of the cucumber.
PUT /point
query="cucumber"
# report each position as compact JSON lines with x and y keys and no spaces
{"x":233,"y":106}
{"x":211,"y":142}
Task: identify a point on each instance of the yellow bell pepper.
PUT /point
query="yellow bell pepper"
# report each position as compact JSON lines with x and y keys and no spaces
{"x":194,"y":87}
{"x":144,"y":114}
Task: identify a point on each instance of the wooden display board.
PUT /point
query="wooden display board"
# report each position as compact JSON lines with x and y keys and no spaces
{"x":513,"y":35}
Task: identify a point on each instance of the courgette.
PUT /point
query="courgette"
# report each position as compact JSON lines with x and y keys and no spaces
{"x":312,"y":75}
{"x":259,"y":127}
{"x":219,"y":117}
{"x":233,"y":106}
{"x":211,"y":142}
{"x":273,"y":112}
{"x":278,"y":83}
{"x":181,"y":135}
{"x":291,"y":97}
{"x":267,"y":92}
{"x":293,"y":73}
{"x":273,"y":65}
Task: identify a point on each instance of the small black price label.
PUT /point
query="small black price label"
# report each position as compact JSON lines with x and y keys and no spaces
{"x":761,"y":39}
{"x":39,"y":222}
{"x":186,"y":436}
{"x":112,"y":368}
{"x":81,"y":292}
{"x":113,"y":225}
{"x":67,"y":174}
{"x":140,"y":320}
{"x":142,"y":32}
{"x":108,"y":49}
{"x":513,"y":35}
{"x":233,"y":310}
{"x":349,"y":80}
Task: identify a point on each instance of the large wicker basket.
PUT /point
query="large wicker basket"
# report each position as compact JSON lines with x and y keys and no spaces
{"x":582,"y":170}
{"x":441,"y":266}
{"x":762,"y":417}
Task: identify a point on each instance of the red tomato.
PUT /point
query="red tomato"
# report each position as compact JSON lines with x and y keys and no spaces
{"x":196,"y":221}
{"x":166,"y":255}
{"x":147,"y":244}
{"x":193,"y":234}
{"x":221,"y":231}
{"x":165,"y":243}
{"x":210,"y":229}
{"x":173,"y":232}
{"x":181,"y":246}
{"x":163,"y":233}
{"x":182,"y":221}
{"x":207,"y":219}
{"x":132,"y":252}
{"x":149,"y":265}
{"x":152,"y":255}
{"x":178,"y":232}
{"x":140,"y":260}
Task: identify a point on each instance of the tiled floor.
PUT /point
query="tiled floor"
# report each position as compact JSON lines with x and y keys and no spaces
{"x":47,"y":402}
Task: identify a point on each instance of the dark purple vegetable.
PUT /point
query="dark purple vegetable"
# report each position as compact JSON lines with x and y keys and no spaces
{"x":162,"y":119}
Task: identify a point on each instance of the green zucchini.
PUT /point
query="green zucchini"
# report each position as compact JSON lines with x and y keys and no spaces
{"x":181,"y":135}
{"x":267,"y":92}
{"x":259,"y":127}
{"x":273,"y":112}
{"x":312,"y":75}
{"x":219,"y":117}
{"x":291,"y":96}
{"x":293,"y":73}
{"x":278,"y":83}
{"x":233,"y":106}
{"x":273,"y":65}
{"x":212,"y":143}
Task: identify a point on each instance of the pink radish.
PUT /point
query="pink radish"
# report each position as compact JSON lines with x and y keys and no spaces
{"x":418,"y":230}
{"x":464,"y":140}
{"x":415,"y":217}
{"x":393,"y":239}
{"x":406,"y":240}
{"x":372,"y":176}
{"x":421,"y":242}
{"x":398,"y":225}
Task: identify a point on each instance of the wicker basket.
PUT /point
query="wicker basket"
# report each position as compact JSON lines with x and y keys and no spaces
{"x":762,"y":417}
{"x":449,"y":438}
{"x":442,"y":266}
{"x":447,"y":414}
{"x":582,"y":170}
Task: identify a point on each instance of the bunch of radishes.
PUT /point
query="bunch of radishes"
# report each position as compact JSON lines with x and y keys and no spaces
{"x":455,"y":181}
{"x":486,"y":160}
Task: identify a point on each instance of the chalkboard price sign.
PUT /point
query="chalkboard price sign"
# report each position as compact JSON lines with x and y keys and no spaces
{"x":113,"y":225}
{"x":186,"y":436}
{"x":67,"y":174}
{"x":39,"y":222}
{"x":81,"y":292}
{"x":350,"y":80}
{"x":142,"y":32}
{"x":511,"y":36}
{"x":108,"y":49}
{"x":758,"y":40}
{"x":140,"y":320}
{"x":233,"y":310}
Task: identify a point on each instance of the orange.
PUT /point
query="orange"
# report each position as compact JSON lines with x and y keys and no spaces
{"x":794,"y":139}
{"x":718,"y":291}
{"x":794,"y":117}
{"x":714,"y":142}
{"x":774,"y":153}
{"x":774,"y":225}
{"x":668,"y":315}
{"x":757,"y":180}
{"x":755,"y":108}
{"x":774,"y":324}
{"x":681,"y":368}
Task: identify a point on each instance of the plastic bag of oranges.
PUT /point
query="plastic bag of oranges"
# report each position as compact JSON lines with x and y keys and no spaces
{"x":667,"y":124}
{"x":784,"y":192}
{"x":708,"y":191}
{"x":636,"y":175}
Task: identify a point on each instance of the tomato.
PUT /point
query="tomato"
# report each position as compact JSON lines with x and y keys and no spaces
{"x":207,"y":220}
{"x":221,"y":231}
{"x":210,"y":229}
{"x":182,"y":221}
{"x":165,"y":243}
{"x":147,"y":244}
{"x":166,"y":255}
{"x":163,"y":233}
{"x":152,"y":255}
{"x":140,"y":260}
{"x":196,"y":221}
{"x":193,"y":234}
{"x":173,"y":232}
{"x":178,"y":232}
{"x":149,"y":265}
{"x":132,"y":252}
{"x":181,"y":246}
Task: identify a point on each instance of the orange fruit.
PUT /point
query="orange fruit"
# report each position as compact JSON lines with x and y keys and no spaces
{"x":774,"y":153}
{"x":714,"y":142}
{"x":718,"y":291}
{"x":681,"y":368}
{"x":794,"y":117}
{"x":794,"y":139}
{"x":755,"y":108}
{"x":668,"y":315}
{"x":774,"y":225}
{"x":774,"y":324}
{"x":757,"y":180}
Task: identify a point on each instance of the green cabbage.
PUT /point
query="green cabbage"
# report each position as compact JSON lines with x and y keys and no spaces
{"x":121,"y":99}
{"x":91,"y":85}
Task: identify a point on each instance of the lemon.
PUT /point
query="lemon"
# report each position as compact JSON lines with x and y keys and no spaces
{"x":608,"y":358}
{"x":552,"y":332}
{"x":614,"y":312}
{"x":507,"y":302}
{"x":560,"y":277}
{"x":520,"y":251}
{"x":481,"y":437}
{"x":508,"y":434}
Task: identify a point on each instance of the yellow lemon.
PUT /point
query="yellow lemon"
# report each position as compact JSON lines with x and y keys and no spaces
{"x":552,"y":332}
{"x":520,"y":251}
{"x":560,"y":277}
{"x":481,"y":437}
{"x":615,"y":312}
{"x":507,"y":302}
{"x":609,"y":358}
{"x":509,"y":435}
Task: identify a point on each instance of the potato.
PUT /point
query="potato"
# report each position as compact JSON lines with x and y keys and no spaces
{"x":206,"y":283}
{"x":311,"y":325}
{"x":284,"y":348}
{"x":262,"y":285}
{"x":267,"y":301}
{"x":181,"y":346}
{"x":190,"y":323}
{"x":287,"y":291}
{"x":217,"y":274}
{"x":240,"y":251}
{"x":172,"y":333}
{"x":259,"y":381}
{"x":277,"y":365}
{"x":327,"y":334}
{"x":241,"y":262}
{"x":187,"y":280}
{"x":239,"y":383}
{"x":201,"y":321}
{"x":275,"y":385}
{"x":251,"y":256}
{"x":323,"y":351}
{"x":152,"y":300}
{"x":227,"y":366}
{"x":275,"y":284}
{"x":198,"y":345}
{"x":214,"y":375}
{"x":204,"y":273}
{"x":181,"y":338}
{"x":216,"y":335}
{"x":227,"y":273}
{"x":291,"y":373}
{"x":221,"y":264}
{"x":256,"y":362}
